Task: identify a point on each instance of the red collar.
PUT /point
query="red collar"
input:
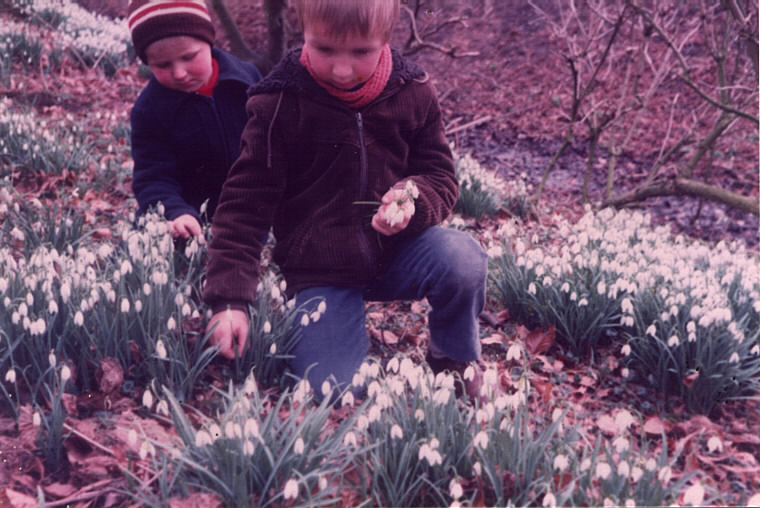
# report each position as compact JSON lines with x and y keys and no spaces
{"x":208,"y":88}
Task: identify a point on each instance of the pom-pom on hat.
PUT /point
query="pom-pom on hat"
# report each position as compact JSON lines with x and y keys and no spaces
{"x":150,"y":21}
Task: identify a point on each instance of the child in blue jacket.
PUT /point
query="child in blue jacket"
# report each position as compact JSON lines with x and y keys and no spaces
{"x":187,"y":122}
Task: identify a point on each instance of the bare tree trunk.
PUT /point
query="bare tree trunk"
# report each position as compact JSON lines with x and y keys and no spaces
{"x":238,"y":46}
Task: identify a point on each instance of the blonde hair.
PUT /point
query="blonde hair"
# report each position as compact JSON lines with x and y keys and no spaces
{"x":346,"y":17}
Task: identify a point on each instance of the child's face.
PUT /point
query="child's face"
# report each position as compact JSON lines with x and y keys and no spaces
{"x":182,"y":63}
{"x":344,"y":62}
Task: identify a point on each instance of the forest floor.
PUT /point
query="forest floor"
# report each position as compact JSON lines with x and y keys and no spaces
{"x":511,"y":91}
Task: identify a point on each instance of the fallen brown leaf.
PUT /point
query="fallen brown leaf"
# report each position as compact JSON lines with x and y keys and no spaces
{"x":539,"y":341}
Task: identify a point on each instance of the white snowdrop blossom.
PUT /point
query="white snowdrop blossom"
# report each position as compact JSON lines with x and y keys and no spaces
{"x":36,"y":419}
{"x":561,"y":462}
{"x":298,"y":446}
{"x":171,"y":324}
{"x":734,"y":358}
{"x":623,"y":469}
{"x":430,"y":453}
{"x":147,"y":399}
{"x":397,"y":432}
{"x":481,"y":439}
{"x":626,"y":349}
{"x":665,"y":474}
{"x":694,"y":495}
{"x":291,"y":489}
{"x":248,"y":447}
{"x":549,"y":500}
{"x":267,"y":328}
{"x":202,"y":438}
{"x":602,"y":470}
{"x":350,"y":439}
{"x":10,"y":376}
{"x":65,"y":373}
{"x":160,"y":349}
{"x":455,"y":489}
{"x":673,"y":341}
{"x":714,"y":444}
{"x":514,"y":352}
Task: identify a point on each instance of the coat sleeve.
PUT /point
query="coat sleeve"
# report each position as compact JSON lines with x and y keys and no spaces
{"x":156,"y":176}
{"x":431,"y":165}
{"x":247,"y":205}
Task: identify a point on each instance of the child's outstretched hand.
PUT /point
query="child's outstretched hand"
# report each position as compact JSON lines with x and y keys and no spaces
{"x":186,"y":226}
{"x":230,"y":332}
{"x":396,"y":209}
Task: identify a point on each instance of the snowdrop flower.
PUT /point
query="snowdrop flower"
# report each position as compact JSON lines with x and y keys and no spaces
{"x":52,"y":360}
{"x":248,"y":447}
{"x":322,"y":307}
{"x":561,"y":462}
{"x":160,"y":349}
{"x":673,"y":341}
{"x":305,"y":320}
{"x":348,"y":399}
{"x":626,"y":349}
{"x":65,"y":373}
{"x":694,"y":495}
{"x":202,"y":438}
{"x":636,"y":474}
{"x":267,"y":328}
{"x":623,"y":469}
{"x":714,"y":444}
{"x":419,"y":415}
{"x":251,"y":428}
{"x":429,"y":452}
{"x":147,"y":449}
{"x":10,"y":376}
{"x":162,"y":408}
{"x":273,"y":350}
{"x":298,"y":446}
{"x":171,"y":324}
{"x":455,"y":489}
{"x":124,"y":305}
{"x":549,"y":500}
{"x":79,"y":318}
{"x":138,"y":306}
{"x":514,"y":352}
{"x":582,"y":302}
{"x":291,"y":489}
{"x":602,"y":470}
{"x":349,"y":439}
{"x":734,"y":357}
{"x":665,"y":474}
{"x":481,"y":439}
{"x":621,"y":444}
{"x":326,"y":388}
{"x":52,"y":307}
{"x":397,"y":432}
{"x":652,"y":330}
{"x":147,"y":399}
{"x":532,"y":288}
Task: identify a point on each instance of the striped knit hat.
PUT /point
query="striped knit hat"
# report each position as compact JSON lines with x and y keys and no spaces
{"x":150,"y":21}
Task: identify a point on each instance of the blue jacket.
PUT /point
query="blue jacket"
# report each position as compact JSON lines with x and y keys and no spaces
{"x":184,"y":143}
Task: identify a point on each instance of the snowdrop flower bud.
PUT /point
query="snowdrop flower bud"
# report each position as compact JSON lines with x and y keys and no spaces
{"x":10,"y":376}
{"x":298,"y":446}
{"x":171,"y":324}
{"x":36,"y":419}
{"x":291,"y":489}
{"x":65,"y":373}
{"x":160,"y":349}
{"x":267,"y":328}
{"x":52,"y":360}
{"x":147,"y":399}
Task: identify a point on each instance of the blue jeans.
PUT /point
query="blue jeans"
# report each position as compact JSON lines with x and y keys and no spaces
{"x":444,"y":265}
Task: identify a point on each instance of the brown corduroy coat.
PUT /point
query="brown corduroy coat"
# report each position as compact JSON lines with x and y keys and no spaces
{"x":306,"y":160}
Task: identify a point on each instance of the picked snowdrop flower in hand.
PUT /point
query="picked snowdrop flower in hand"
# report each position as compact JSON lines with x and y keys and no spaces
{"x":395,"y":209}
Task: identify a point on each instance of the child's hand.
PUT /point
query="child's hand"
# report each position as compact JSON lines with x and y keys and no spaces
{"x":186,"y":226}
{"x":394,"y":213}
{"x":230,"y":332}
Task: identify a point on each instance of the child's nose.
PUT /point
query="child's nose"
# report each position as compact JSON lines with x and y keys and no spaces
{"x":342,"y":70}
{"x":178,"y":72}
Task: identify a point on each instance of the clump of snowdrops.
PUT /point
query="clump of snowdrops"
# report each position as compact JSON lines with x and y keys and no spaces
{"x":685,"y":313}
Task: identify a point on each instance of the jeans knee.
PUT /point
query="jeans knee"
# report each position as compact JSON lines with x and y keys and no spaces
{"x":467,"y":263}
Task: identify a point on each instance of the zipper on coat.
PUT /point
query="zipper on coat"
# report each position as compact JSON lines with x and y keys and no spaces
{"x":363,"y":169}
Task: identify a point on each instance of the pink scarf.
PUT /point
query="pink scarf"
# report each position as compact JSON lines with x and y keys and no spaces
{"x":369,"y":91}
